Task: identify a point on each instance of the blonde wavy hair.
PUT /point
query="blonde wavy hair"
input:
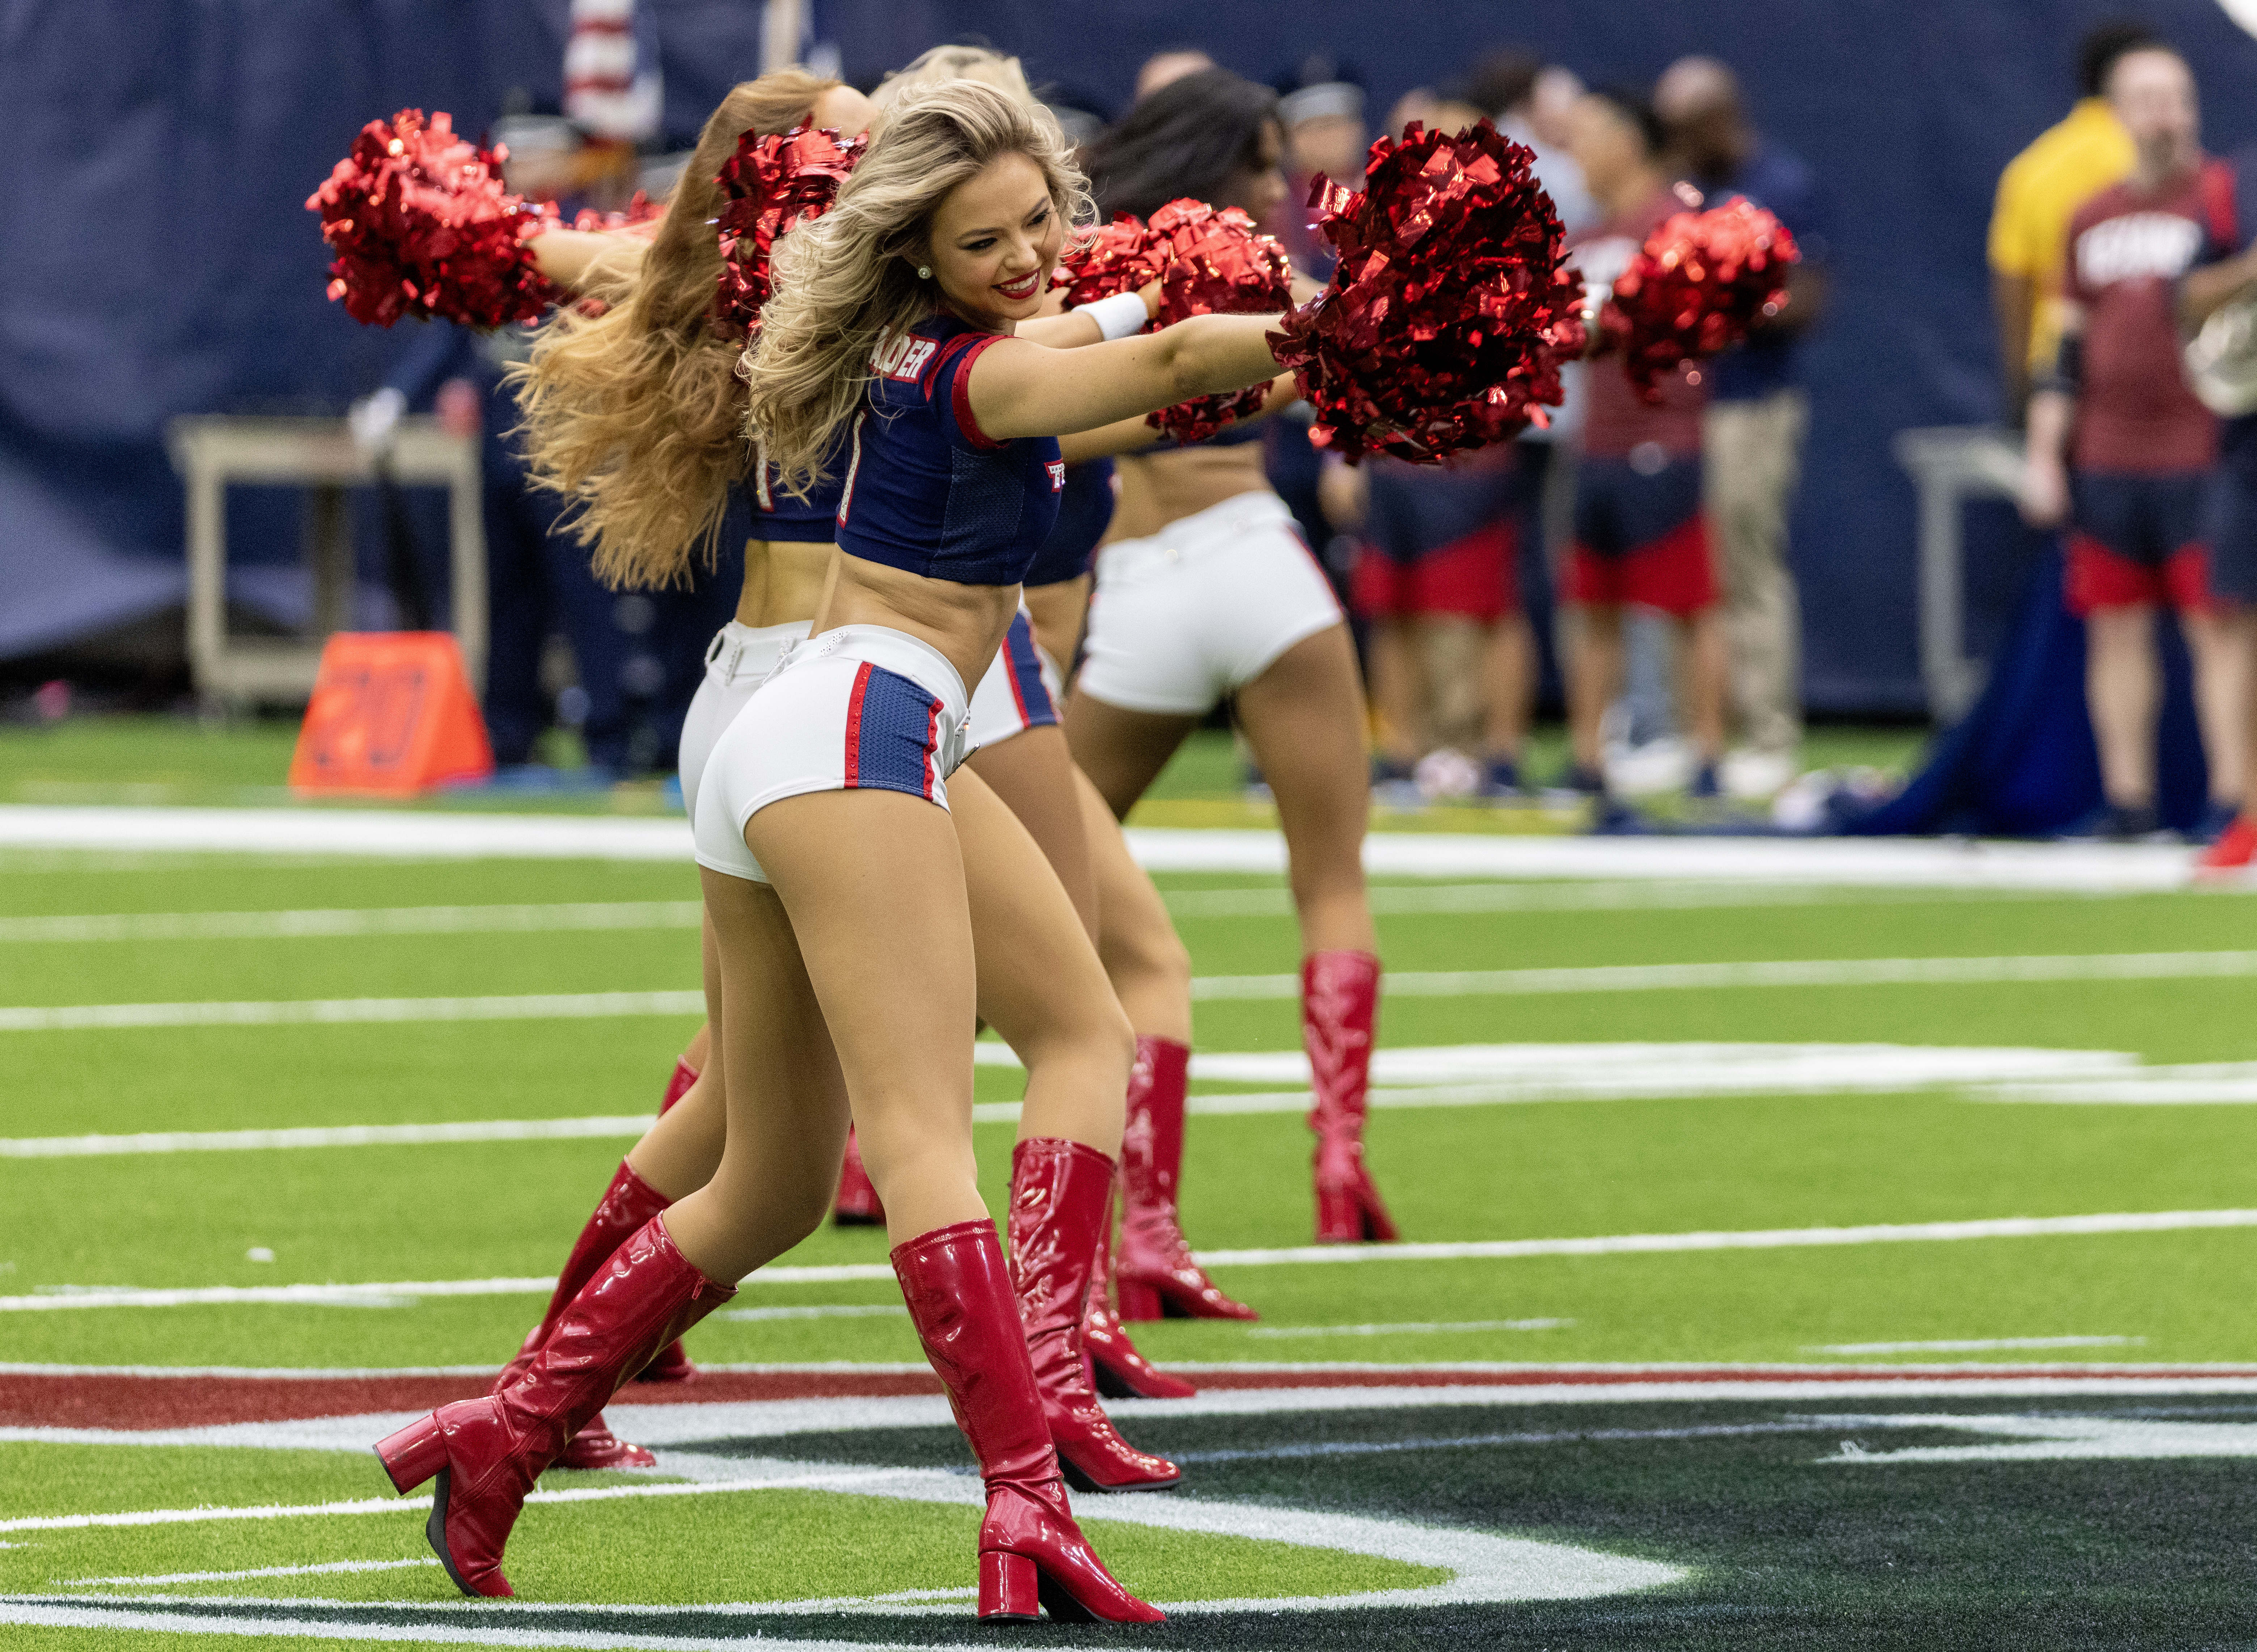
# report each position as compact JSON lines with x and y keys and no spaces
{"x":945,"y":63}
{"x":849,"y":276}
{"x":636,"y":415}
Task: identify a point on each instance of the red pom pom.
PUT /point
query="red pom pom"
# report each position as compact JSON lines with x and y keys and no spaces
{"x":421,"y":226}
{"x":773,"y":184}
{"x":1114,"y":257}
{"x":1449,"y":313}
{"x":1218,"y":264}
{"x":1696,"y":287}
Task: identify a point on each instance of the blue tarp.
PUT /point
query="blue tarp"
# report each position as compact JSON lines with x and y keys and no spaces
{"x":158,"y":260}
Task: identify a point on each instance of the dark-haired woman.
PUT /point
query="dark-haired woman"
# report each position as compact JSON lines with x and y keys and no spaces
{"x":1206,"y":590}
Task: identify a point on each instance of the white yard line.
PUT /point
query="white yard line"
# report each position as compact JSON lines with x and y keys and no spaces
{"x":213,"y":1141}
{"x":1437,"y":1075}
{"x":1409,"y":983}
{"x":548,"y":1006}
{"x":522,"y":917}
{"x":1329,"y":1255}
{"x":1739,"y":1239}
{"x":329,"y":921}
{"x":1976,"y":1344}
{"x":318,"y":1568}
{"x":1419,"y":1328}
{"x":424,"y":835}
{"x":1817,"y":972}
{"x":1448,"y":899}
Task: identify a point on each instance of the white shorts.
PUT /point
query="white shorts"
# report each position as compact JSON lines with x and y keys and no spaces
{"x":739,"y":660}
{"x":862,"y":707}
{"x":1199,"y":610}
{"x":1018,"y":691}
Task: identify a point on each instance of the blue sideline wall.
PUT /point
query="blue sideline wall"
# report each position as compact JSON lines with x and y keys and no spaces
{"x":159,"y":260}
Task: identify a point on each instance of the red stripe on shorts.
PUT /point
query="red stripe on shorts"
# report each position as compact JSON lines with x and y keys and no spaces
{"x":854,"y":726}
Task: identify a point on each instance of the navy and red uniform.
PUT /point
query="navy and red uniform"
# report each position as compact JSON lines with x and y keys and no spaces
{"x":2233,"y":518}
{"x":2143,"y":447}
{"x":1085,"y":512}
{"x":1640,"y":533}
{"x":927,"y":490}
{"x":1441,"y":539}
{"x":779,"y":516}
{"x":869,"y":707}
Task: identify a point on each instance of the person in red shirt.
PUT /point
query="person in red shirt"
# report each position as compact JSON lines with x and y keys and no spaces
{"x":2116,"y":415}
{"x":1640,"y":533}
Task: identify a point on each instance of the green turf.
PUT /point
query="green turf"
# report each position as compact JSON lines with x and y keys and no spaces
{"x":1783,"y":1553}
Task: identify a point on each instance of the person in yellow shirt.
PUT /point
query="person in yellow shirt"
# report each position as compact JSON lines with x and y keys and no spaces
{"x":2070,"y":162}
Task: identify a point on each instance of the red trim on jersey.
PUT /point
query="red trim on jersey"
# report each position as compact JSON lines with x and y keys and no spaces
{"x":964,"y":349}
{"x":854,"y":726}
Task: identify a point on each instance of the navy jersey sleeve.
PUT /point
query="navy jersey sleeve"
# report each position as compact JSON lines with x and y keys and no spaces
{"x":948,"y":388}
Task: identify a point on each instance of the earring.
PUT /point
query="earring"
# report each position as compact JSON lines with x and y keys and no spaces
{"x":925,"y":272}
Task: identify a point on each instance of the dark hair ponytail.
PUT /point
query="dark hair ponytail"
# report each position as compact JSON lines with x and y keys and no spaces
{"x":1190,"y":138}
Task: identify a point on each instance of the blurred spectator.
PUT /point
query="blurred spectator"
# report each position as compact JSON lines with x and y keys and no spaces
{"x":1504,"y":86}
{"x":1641,"y":537}
{"x":1451,"y":653}
{"x":1757,"y":416}
{"x":2227,"y":283}
{"x":1323,"y":113}
{"x":2070,"y":163}
{"x":2115,"y":409}
{"x":1171,"y":65}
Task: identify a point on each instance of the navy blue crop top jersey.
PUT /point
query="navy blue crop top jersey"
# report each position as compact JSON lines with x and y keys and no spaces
{"x":927,"y":491}
{"x":1085,"y":512}
{"x":777,"y":515}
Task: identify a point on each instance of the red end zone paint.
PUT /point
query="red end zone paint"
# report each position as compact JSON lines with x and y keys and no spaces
{"x":96,"y":1400}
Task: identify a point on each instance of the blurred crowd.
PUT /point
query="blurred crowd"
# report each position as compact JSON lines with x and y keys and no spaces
{"x":1631,"y":559}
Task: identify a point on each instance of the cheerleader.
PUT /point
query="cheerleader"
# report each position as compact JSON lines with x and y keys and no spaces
{"x":1151,"y":970}
{"x":788,"y":561}
{"x":1205,"y":590}
{"x":844,"y":943}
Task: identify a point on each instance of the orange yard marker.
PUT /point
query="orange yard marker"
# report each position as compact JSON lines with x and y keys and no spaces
{"x":391,"y":714}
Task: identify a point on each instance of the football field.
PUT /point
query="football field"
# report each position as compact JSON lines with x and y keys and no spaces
{"x":1794,"y":1255}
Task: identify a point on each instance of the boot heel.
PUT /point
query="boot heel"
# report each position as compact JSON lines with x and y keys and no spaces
{"x":1010,"y":1585}
{"x":415,"y":1454}
{"x":1138,"y":1301}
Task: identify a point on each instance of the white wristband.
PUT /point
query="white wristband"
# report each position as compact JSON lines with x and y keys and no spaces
{"x":1123,"y":316}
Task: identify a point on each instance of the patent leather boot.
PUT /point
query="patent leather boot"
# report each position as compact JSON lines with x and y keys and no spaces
{"x":487,"y":1453}
{"x":857,"y":1204}
{"x":1031,"y":1554}
{"x":1340,"y":1004}
{"x":1060,"y":1193}
{"x":1155,"y":1272}
{"x":1116,"y":1369}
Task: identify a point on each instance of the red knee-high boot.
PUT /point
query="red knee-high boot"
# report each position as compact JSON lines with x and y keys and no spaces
{"x":1061,"y":1193}
{"x":678,"y":1085}
{"x":487,"y":1453}
{"x":857,"y":1204}
{"x":1031,"y":1552}
{"x":1340,"y":1003}
{"x":1155,"y":1272}
{"x":672,"y":1364}
{"x":627,"y":1204}
{"x":1116,"y":1369}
